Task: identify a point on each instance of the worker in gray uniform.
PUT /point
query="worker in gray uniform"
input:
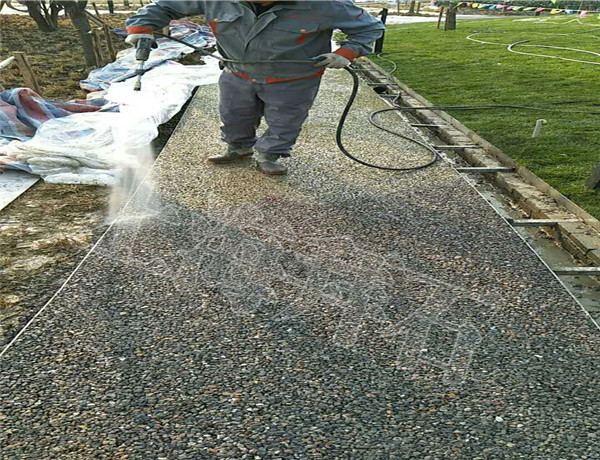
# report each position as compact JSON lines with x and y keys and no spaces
{"x":266,"y":31}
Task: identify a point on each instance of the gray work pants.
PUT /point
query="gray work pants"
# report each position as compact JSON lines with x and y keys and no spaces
{"x":284,"y":105}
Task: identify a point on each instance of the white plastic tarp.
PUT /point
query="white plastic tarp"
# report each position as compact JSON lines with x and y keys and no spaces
{"x":86,"y":148}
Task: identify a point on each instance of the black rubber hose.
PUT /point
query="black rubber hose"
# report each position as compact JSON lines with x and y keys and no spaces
{"x":338,"y":138}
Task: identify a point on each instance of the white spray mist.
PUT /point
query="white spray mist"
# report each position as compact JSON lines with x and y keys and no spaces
{"x":133,"y":159}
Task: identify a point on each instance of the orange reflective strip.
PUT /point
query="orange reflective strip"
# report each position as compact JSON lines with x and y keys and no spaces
{"x":347,"y":53}
{"x":301,"y":39}
{"x":279,"y":80}
{"x":139,"y":30}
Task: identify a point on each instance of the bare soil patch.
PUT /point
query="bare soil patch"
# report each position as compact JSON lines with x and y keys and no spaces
{"x":43,"y":235}
{"x":56,"y":58}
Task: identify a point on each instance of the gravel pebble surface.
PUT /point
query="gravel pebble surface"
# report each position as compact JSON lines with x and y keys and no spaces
{"x":337,"y":312}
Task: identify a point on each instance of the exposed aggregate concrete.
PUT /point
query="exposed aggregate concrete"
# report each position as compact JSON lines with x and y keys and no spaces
{"x":339,"y":312}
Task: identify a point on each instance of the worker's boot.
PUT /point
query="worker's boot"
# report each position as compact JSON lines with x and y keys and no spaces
{"x":233,"y":153}
{"x":269,"y":164}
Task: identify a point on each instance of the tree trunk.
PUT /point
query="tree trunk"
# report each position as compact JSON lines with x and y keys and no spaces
{"x":45,"y":10}
{"x":54,"y":10}
{"x":450,"y":23}
{"x":35,"y":11}
{"x":439,"y":21}
{"x":411,"y":9}
{"x":76,"y":9}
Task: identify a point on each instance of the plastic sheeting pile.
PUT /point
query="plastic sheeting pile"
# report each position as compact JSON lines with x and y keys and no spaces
{"x":22,"y":111}
{"x":88,"y":147}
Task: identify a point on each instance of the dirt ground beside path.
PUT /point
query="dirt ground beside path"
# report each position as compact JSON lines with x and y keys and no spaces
{"x":43,"y":235}
{"x":56,"y":58}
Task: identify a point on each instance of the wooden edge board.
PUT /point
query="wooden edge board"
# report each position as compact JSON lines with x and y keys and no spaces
{"x":540,"y":222}
{"x":576,"y":271}
{"x":484,"y":170}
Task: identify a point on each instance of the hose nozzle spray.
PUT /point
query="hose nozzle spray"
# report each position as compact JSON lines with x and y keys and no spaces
{"x":142,"y":53}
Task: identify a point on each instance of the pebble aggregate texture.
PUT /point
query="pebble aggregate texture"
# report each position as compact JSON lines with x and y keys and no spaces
{"x":338,"y":312}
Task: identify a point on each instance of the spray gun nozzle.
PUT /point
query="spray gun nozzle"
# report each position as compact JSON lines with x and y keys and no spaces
{"x":142,"y":53}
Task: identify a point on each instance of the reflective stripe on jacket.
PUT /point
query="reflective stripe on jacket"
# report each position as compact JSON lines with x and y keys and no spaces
{"x":289,"y":30}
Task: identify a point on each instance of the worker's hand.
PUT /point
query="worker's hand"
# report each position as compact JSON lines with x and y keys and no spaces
{"x":132,"y":39}
{"x":332,"y":61}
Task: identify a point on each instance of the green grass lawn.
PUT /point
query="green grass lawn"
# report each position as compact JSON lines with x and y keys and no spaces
{"x":448,"y":69}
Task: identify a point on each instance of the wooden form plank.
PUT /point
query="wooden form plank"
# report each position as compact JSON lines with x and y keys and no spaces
{"x":539,"y":222}
{"x":94,"y":19}
{"x":27,"y":73}
{"x":426,"y":125}
{"x":485,"y":170}
{"x":455,"y":147}
{"x":98,"y":52}
{"x":576,"y":271}
{"x":110,"y":47}
{"x":384,"y":83}
{"x":366,"y":70}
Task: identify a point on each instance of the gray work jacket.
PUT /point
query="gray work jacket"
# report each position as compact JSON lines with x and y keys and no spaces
{"x":289,"y":30}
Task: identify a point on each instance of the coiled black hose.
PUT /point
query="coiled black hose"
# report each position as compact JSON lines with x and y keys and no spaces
{"x":435,"y":156}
